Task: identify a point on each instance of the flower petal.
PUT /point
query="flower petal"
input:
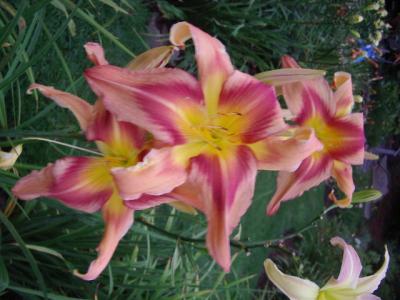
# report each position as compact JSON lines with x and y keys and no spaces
{"x":256,"y":110}
{"x":82,"y":183}
{"x":227,"y":183}
{"x":350,"y":270}
{"x":370,"y":283}
{"x":95,"y":53}
{"x":343,"y":96}
{"x":118,"y":219}
{"x":346,"y":142}
{"x":343,"y":174}
{"x":120,"y":139}
{"x":294,"y":287}
{"x":154,"y":58}
{"x":307,"y":97}
{"x":312,"y":171}
{"x":158,"y":174}
{"x":368,"y":297}
{"x":79,"y":107}
{"x":299,"y":143}
{"x":8,"y":159}
{"x":213,"y":62}
{"x":156,"y":100}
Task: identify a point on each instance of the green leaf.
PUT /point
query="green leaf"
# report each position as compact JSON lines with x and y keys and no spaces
{"x":4,"y":279}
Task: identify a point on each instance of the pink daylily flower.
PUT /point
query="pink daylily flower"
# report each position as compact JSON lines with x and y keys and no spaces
{"x":220,"y":129}
{"x":313,"y":104}
{"x":86,"y":183}
{"x":348,"y":286}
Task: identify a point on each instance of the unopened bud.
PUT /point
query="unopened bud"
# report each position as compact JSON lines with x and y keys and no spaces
{"x":383,"y":12}
{"x":356,"y":19}
{"x":373,"y":6}
{"x":358,"y":99}
{"x":355,"y":33}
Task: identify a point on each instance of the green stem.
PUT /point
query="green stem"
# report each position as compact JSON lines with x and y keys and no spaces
{"x":272,"y":243}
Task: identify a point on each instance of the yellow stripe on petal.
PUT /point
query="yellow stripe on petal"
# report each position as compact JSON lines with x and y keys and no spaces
{"x":183,"y":207}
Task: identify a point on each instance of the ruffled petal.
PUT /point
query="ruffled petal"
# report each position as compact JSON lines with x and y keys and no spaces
{"x":343,"y":96}
{"x":154,"y":58}
{"x":346,"y":139}
{"x":8,"y":159}
{"x":350,"y":270}
{"x":95,"y":53}
{"x":157,"y":174}
{"x":227,"y":185}
{"x":120,"y":139}
{"x":118,"y":220}
{"x":213,"y":62}
{"x":294,"y":287}
{"x":249,"y":108}
{"x":157,"y":100}
{"x":312,"y":171}
{"x":298,"y":144}
{"x":79,"y":107}
{"x":83,"y":183}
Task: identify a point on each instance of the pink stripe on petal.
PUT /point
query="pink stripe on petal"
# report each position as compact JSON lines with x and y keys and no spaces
{"x":80,"y":108}
{"x":81,"y":183}
{"x":95,"y":53}
{"x":348,"y":145}
{"x":227,"y":186}
{"x":118,"y":220}
{"x":316,"y":99}
{"x":312,"y":171}
{"x":298,"y":144}
{"x":350,"y":270}
{"x":122,"y":138}
{"x":343,"y":96}
{"x":289,"y":62}
{"x":212,"y":60}
{"x":155,"y":100}
{"x":157,"y":174}
{"x":257,"y":110}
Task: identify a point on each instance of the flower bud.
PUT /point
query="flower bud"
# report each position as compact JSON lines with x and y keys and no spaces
{"x":356,"y":19}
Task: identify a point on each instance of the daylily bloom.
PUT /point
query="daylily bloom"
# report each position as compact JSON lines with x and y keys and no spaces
{"x":220,"y":129}
{"x":314,"y":105}
{"x":86,"y":184}
{"x":348,"y":286}
{"x":8,"y":159}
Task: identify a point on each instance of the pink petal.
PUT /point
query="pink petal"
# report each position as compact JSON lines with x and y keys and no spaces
{"x":316,"y":100}
{"x":343,"y":96}
{"x":158,"y":174}
{"x":252,"y":105}
{"x":343,"y":174}
{"x":227,"y":185}
{"x":307,"y":97}
{"x":79,"y":107}
{"x":213,"y":62}
{"x":118,"y":219}
{"x":95,"y":53}
{"x":312,"y":171}
{"x":82,"y":183}
{"x":351,"y":267}
{"x":298,"y":144}
{"x":347,"y":142}
{"x":148,"y":201}
{"x":122,"y":139}
{"x":156,"y":100}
